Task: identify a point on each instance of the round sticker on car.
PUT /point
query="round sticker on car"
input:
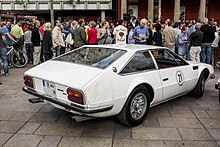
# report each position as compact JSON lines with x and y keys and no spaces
{"x":180,"y":78}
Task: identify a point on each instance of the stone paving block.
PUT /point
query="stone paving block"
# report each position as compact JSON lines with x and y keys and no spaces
{"x":214,"y":114}
{"x":85,"y":142}
{"x":29,"y":128}
{"x":19,"y":116}
{"x":64,"y":119}
{"x":10,"y":126}
{"x":201,"y":114}
{"x":122,"y":132}
{"x":155,"y":133}
{"x":182,"y":114}
{"x":4,"y":137}
{"x":98,"y":131}
{"x":50,"y":141}
{"x":51,"y":129}
{"x":211,"y":123}
{"x":190,"y":144}
{"x":136,"y":143}
{"x":215,"y":134}
{"x":180,"y":123}
{"x":151,"y":122}
{"x":209,"y":104}
{"x":47,"y":108}
{"x":158,"y":112}
{"x":29,"y":107}
{"x":45,"y":117}
{"x":194,"y":134}
{"x":218,"y":142}
{"x":19,"y":140}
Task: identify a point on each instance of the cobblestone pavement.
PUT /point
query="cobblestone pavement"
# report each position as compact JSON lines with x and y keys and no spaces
{"x":185,"y":121}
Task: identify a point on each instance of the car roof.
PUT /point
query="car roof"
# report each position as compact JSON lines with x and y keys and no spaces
{"x":127,"y":46}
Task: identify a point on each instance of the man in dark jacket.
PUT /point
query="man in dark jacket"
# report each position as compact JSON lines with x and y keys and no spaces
{"x":36,"y":39}
{"x":208,"y":38}
{"x":80,"y":34}
{"x":196,"y":42}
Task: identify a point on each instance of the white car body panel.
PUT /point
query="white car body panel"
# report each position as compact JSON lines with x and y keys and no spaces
{"x":104,"y":87}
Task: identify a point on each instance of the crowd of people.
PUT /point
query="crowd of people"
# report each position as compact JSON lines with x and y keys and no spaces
{"x":193,"y":40}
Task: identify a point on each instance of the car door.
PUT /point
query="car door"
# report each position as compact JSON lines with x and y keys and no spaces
{"x":176,"y":74}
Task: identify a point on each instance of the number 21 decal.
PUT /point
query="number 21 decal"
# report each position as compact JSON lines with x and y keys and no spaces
{"x":180,"y":78}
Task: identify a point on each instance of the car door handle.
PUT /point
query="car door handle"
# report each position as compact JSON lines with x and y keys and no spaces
{"x":165,"y":79}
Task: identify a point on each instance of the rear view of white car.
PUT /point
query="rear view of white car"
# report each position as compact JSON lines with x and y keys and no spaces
{"x":101,"y":81}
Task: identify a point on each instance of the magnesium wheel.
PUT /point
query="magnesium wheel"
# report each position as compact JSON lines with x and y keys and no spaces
{"x":136,"y":107}
{"x":200,"y":86}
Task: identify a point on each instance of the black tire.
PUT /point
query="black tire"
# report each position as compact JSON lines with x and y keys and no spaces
{"x":200,"y":86}
{"x":20,"y":61}
{"x":126,"y":116}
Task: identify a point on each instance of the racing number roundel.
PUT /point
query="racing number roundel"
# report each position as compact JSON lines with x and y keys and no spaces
{"x":180,"y":78}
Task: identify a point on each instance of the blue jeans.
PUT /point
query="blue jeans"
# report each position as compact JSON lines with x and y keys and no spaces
{"x":206,"y":53}
{"x":4,"y":57}
{"x":58,"y":51}
{"x":30,"y":50}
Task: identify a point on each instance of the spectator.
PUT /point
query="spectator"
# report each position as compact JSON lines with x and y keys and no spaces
{"x":36,"y":39}
{"x":3,"y":52}
{"x":5,"y":30}
{"x":80,"y":34}
{"x":208,"y":38}
{"x":157,"y":39}
{"x":130,"y":34}
{"x":92,"y":33}
{"x":141,"y":33}
{"x":17,"y":33}
{"x":215,"y":47}
{"x":104,"y":33}
{"x":29,"y":45}
{"x":58,"y":41}
{"x":196,"y":42}
{"x":120,"y":33}
{"x":170,"y":37}
{"x":47,"y":43}
{"x":72,"y":30}
{"x":182,"y":43}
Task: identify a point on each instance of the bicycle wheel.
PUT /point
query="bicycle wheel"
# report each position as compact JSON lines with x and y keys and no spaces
{"x":19,"y":58}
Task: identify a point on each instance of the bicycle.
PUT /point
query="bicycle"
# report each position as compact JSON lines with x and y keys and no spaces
{"x":17,"y":57}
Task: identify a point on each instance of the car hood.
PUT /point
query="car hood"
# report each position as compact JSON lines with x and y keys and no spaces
{"x":64,"y":73}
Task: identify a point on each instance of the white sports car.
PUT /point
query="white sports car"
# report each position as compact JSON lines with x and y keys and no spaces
{"x":105,"y":80}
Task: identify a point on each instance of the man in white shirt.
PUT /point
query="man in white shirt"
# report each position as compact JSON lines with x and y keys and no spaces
{"x":120,"y":33}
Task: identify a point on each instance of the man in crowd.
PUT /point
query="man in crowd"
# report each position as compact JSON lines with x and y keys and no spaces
{"x":80,"y":34}
{"x":208,"y":38}
{"x":5,"y":30}
{"x":196,"y":42}
{"x":120,"y":33}
{"x":3,"y":51}
{"x":17,"y":33}
{"x":170,"y":37}
{"x":58,"y":41}
{"x":36,"y":39}
{"x":141,"y":33}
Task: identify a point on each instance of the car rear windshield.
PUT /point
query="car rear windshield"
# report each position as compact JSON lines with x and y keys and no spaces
{"x":93,"y":56}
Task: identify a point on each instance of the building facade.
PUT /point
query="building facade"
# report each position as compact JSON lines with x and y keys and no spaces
{"x":172,"y":9}
{"x":63,"y":9}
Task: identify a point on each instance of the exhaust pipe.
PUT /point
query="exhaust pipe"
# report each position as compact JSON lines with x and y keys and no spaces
{"x":79,"y":118}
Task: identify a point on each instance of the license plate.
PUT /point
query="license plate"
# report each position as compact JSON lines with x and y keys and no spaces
{"x":49,"y":89}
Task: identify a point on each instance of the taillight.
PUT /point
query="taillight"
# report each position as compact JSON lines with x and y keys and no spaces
{"x":75,"y":96}
{"x":28,"y":81}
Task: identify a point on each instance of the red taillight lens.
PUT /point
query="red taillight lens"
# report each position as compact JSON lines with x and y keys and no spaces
{"x":75,"y":96}
{"x":28,"y":81}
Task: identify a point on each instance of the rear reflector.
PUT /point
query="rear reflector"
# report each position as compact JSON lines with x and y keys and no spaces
{"x":28,"y":81}
{"x":75,"y":96}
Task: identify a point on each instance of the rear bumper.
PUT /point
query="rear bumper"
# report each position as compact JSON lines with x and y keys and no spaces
{"x":79,"y":109}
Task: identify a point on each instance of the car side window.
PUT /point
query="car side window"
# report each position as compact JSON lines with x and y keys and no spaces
{"x":167,"y":59}
{"x":140,"y":61}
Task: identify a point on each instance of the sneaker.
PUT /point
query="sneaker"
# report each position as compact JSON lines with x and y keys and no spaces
{"x":6,"y":74}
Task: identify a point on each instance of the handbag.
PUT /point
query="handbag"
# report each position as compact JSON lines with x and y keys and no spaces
{"x":69,"y":39}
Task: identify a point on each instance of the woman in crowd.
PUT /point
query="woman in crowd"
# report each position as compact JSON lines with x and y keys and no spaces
{"x":47,"y":42}
{"x":104,"y":34}
{"x":92,"y":33}
{"x":157,"y":39}
{"x":182,"y":43}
